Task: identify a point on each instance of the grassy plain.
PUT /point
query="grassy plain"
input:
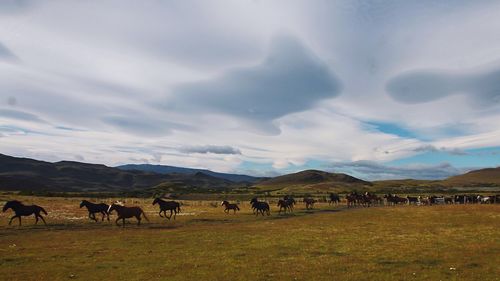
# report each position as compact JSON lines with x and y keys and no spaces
{"x":453,"y":242}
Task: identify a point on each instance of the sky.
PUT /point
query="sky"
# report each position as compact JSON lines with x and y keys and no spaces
{"x":377,"y":89}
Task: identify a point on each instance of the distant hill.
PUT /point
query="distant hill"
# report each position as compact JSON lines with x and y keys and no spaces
{"x":476,"y":178}
{"x":311,"y":181}
{"x":23,"y":174}
{"x":28,"y":174}
{"x":164,"y":169}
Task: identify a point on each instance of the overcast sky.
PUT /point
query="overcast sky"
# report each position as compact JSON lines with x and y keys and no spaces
{"x":378,"y":89}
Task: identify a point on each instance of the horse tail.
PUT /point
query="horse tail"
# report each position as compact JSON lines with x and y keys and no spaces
{"x":43,"y":210}
{"x":144,"y":215}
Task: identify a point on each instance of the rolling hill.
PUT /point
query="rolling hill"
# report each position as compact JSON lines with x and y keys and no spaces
{"x":312,"y":181}
{"x":67,"y":176}
{"x":476,"y":178}
{"x":164,"y":169}
{"x":23,"y":174}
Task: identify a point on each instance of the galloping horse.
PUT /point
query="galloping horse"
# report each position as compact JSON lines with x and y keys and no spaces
{"x":334,"y":199}
{"x":285,"y":205}
{"x":96,"y":208}
{"x":228,"y":206}
{"x":351,"y":200}
{"x":172,"y":206}
{"x":290,"y":201}
{"x":127,"y":212}
{"x":258,"y":206}
{"x":309,"y":203}
{"x":21,"y":210}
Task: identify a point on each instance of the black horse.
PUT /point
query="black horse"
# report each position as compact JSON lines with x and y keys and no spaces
{"x":285,"y":205}
{"x":228,"y":206}
{"x":172,"y":206}
{"x":96,"y":208}
{"x":290,"y":202}
{"x":21,"y":210}
{"x":334,"y":199}
{"x":260,"y":207}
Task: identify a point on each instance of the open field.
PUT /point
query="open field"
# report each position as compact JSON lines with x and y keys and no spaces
{"x":449,"y":242}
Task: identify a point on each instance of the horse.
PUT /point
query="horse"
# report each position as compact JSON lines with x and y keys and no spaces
{"x":394,"y":199}
{"x":334,"y":199}
{"x":127,"y":212}
{"x":424,"y":200}
{"x":258,"y":206}
{"x":461,"y":199}
{"x":172,"y":206}
{"x":309,"y":203}
{"x":485,"y":199}
{"x":351,"y":200}
{"x":228,"y":206}
{"x":436,"y":200}
{"x":290,"y":201}
{"x":285,"y":205}
{"x":22,"y":210}
{"x":95,"y":208}
{"x":412,"y":200}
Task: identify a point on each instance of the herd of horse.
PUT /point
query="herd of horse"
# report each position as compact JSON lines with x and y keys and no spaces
{"x":285,"y":205}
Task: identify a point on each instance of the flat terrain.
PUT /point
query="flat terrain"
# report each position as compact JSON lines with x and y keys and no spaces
{"x":453,"y":242}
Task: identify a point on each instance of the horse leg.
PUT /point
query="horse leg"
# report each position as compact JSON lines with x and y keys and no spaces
{"x":36,"y":218}
{"x":12,"y":219}
{"x":42,"y":219}
{"x":103,"y":215}
{"x":138,"y":219}
{"x":19,"y":217}
{"x":175,"y":214}
{"x":160,"y":213}
{"x":116,"y":221}
{"x":123,"y":220}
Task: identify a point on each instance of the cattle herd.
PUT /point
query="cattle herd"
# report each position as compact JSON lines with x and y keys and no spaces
{"x":285,"y":205}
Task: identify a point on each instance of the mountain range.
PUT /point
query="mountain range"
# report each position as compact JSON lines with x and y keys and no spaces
{"x":24,"y":174}
{"x":164,"y":169}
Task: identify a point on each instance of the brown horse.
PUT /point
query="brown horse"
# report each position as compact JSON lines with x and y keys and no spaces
{"x":309,"y":203}
{"x":127,"y":212}
{"x":228,"y":206}
{"x":21,"y":210}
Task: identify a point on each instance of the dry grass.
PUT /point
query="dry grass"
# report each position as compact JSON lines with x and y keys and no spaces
{"x":329,"y":243}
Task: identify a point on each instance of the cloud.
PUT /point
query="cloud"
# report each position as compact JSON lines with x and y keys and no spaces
{"x":215,"y":149}
{"x":142,"y":125}
{"x":20,"y":115}
{"x":6,"y":54}
{"x":432,"y":148}
{"x":482,"y":87}
{"x":290,"y":79}
{"x":376,"y":171}
{"x":190,"y":73}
